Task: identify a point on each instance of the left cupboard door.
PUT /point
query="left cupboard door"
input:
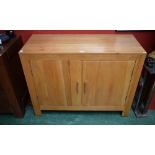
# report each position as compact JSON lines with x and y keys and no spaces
{"x":49,"y":79}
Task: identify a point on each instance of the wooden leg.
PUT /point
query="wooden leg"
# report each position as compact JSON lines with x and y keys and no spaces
{"x":37,"y":112}
{"x":125,"y":113}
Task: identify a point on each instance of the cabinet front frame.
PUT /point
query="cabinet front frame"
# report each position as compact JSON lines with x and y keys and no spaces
{"x":137,"y":57}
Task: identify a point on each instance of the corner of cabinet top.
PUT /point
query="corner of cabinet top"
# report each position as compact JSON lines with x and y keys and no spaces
{"x":82,"y":43}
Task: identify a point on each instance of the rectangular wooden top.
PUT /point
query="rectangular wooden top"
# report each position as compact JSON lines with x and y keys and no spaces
{"x":82,"y":43}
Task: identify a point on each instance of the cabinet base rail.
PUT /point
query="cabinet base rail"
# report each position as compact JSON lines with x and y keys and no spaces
{"x":82,"y":108}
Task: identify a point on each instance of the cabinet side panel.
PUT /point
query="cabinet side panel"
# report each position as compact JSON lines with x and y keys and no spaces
{"x":127,"y":79}
{"x":134,"y":82}
{"x":25,"y":60}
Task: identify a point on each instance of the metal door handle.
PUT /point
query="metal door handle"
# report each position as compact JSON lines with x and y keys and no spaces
{"x":84,"y":85}
{"x":77,"y":87}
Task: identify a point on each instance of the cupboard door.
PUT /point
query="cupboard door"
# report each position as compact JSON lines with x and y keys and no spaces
{"x":106,"y":82}
{"x":49,"y":81}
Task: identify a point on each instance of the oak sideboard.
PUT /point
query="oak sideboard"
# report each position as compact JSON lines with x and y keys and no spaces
{"x":82,"y":72}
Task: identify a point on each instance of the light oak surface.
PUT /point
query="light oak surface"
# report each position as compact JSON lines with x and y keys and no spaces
{"x":76,"y":81}
{"x":82,"y":72}
{"x":106,"y":84}
{"x":49,"y":81}
{"x":110,"y":43}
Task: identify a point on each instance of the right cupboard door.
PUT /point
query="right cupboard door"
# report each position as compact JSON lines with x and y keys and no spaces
{"x":106,"y":83}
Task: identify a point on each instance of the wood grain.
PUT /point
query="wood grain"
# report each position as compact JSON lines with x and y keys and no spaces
{"x":82,"y":72}
{"x":30,"y":83}
{"x":90,"y":74}
{"x":106,"y":84}
{"x":49,"y":81}
{"x":133,"y":83}
{"x":83,"y":43}
{"x":76,"y":81}
{"x":83,"y":108}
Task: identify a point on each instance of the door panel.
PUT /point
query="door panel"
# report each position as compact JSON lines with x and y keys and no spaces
{"x":90,"y":74}
{"x":49,"y":81}
{"x":75,"y":79}
{"x":106,"y":82}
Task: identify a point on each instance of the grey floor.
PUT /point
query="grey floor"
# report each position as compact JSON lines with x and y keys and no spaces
{"x":77,"y":118}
